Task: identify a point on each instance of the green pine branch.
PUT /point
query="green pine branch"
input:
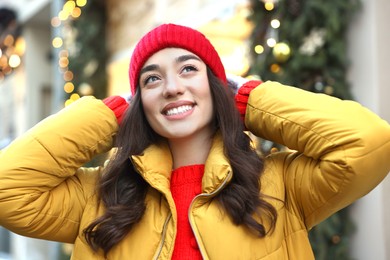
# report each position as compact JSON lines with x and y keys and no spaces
{"x":329,"y":62}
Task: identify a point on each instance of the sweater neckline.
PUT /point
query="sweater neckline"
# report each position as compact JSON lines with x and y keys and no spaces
{"x":188,"y":173}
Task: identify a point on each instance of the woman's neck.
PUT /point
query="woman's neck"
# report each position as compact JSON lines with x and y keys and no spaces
{"x":189,"y":151}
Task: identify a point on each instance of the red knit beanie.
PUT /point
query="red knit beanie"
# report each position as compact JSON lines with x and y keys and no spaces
{"x":172,"y":35}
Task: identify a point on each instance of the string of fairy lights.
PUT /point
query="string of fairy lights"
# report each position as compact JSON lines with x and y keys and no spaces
{"x":12,"y":44}
{"x":10,"y":55}
{"x":280,"y":50}
{"x":71,"y":10}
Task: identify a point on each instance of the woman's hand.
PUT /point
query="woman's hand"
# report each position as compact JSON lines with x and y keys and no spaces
{"x":118,"y":104}
{"x":244,"y":87}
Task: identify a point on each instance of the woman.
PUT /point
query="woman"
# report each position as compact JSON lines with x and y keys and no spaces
{"x":185,"y":181}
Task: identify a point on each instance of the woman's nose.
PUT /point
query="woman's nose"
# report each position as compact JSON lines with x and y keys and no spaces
{"x":173,"y":87}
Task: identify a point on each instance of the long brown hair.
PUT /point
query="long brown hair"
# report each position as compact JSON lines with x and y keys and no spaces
{"x":122,"y":190}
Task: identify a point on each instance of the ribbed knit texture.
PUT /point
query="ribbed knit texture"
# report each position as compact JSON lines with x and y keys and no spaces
{"x":186,"y":183}
{"x":172,"y":35}
{"x":118,"y":105}
{"x":242,"y":96}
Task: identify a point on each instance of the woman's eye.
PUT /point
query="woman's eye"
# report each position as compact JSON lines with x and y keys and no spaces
{"x":150,"y":79}
{"x":189,"y":68}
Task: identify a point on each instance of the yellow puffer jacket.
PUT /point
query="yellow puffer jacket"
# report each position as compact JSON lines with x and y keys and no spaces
{"x":342,"y":154}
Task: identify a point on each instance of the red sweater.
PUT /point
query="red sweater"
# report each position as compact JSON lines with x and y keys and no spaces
{"x":186,"y":183}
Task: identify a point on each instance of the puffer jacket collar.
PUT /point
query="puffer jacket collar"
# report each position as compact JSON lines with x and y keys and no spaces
{"x":155,"y":166}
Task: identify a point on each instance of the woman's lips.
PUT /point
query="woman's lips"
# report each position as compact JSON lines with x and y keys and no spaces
{"x":177,"y":109}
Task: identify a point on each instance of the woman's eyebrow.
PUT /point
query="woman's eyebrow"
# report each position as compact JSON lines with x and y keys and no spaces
{"x":149,"y":68}
{"x":179,"y":59}
{"x":187,"y":57}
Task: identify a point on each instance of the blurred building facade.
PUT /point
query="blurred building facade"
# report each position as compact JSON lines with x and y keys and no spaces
{"x":26,"y":98}
{"x":34,"y":90}
{"x":369,"y":41}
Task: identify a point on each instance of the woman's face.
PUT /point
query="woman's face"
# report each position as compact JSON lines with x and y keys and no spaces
{"x":175,"y":94}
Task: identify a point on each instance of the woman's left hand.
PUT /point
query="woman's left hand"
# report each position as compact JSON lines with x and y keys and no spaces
{"x":244,"y":87}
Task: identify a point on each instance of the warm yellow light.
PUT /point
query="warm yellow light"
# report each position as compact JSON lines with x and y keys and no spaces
{"x":68,"y":75}
{"x":3,"y":61}
{"x":1,"y":53}
{"x":20,"y":46}
{"x":259,"y":49}
{"x":271,"y":42}
{"x":57,"y":42}
{"x":76,"y":12}
{"x":275,"y":23}
{"x":68,"y":102}
{"x":14,"y":61}
{"x":63,"y":62}
{"x":68,"y":87}
{"x":281,"y":52}
{"x":63,"y":15}
{"x":9,"y":40}
{"x":55,"y":21}
{"x":81,"y":3}
{"x":69,"y":6}
{"x":269,"y":6}
{"x":275,"y":68}
{"x":74,"y":96}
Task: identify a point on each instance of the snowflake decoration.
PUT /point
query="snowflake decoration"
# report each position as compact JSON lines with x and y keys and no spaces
{"x":312,"y":42}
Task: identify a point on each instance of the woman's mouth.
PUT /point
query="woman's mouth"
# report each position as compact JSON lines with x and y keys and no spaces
{"x":178,"y":110}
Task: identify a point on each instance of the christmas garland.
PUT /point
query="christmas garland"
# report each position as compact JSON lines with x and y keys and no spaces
{"x":303,"y":43}
{"x":88,"y":55}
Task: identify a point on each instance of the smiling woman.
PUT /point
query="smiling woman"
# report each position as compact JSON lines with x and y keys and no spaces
{"x":185,"y":181}
{"x":176,"y":98}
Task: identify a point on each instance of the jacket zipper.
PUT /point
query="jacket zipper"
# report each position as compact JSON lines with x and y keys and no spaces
{"x":160,"y":247}
{"x":205,"y":195}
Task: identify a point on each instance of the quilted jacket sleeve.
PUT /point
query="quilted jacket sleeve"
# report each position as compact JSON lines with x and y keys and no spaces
{"x":43,"y":190}
{"x":340,"y":149}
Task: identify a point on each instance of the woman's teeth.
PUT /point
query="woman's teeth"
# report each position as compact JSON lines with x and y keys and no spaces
{"x":178,"y":110}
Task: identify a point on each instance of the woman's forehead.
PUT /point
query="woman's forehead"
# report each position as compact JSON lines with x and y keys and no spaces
{"x":170,"y":52}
